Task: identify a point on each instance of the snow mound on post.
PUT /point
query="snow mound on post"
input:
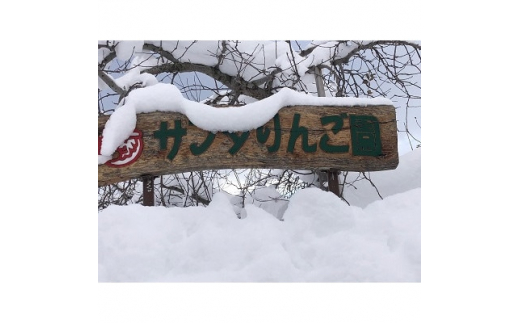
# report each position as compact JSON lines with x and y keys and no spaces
{"x":168,"y":98}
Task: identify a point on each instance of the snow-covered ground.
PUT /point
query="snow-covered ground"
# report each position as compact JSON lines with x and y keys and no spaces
{"x":322,"y":239}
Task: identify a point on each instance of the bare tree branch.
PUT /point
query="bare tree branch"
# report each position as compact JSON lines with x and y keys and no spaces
{"x":235,"y":82}
{"x":372,"y":44}
{"x":110,"y":82}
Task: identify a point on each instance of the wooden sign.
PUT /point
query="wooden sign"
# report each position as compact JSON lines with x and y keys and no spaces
{"x":298,"y":137}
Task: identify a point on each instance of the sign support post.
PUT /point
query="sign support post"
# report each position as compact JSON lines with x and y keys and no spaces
{"x":148,"y":190}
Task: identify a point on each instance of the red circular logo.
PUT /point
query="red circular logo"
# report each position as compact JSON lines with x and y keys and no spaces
{"x":128,"y":152}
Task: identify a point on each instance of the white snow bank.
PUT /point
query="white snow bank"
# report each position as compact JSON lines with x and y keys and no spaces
{"x":322,"y":239}
{"x":166,"y":97}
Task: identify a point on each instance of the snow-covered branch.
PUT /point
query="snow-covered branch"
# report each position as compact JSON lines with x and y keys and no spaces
{"x":364,"y":45}
{"x":110,"y":82}
{"x":255,"y":69}
{"x":235,"y":81}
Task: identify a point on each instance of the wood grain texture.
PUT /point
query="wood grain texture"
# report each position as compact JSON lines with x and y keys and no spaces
{"x":255,"y":151}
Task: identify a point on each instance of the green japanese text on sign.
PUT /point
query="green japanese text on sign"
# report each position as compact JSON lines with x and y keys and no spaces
{"x":364,"y":134}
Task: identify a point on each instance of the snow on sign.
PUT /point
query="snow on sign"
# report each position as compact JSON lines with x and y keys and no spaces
{"x":345,"y":138}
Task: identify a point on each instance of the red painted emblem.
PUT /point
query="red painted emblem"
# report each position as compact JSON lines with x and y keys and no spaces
{"x":128,"y":152}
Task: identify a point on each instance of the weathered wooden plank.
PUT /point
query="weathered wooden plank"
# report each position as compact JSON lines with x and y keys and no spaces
{"x":299,"y":137}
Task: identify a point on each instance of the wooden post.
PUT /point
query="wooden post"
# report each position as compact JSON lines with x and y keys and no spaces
{"x":148,"y":190}
{"x":322,"y":178}
{"x":333,"y":181}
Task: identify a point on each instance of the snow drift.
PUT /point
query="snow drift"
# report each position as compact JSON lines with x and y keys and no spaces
{"x":321,"y":239}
